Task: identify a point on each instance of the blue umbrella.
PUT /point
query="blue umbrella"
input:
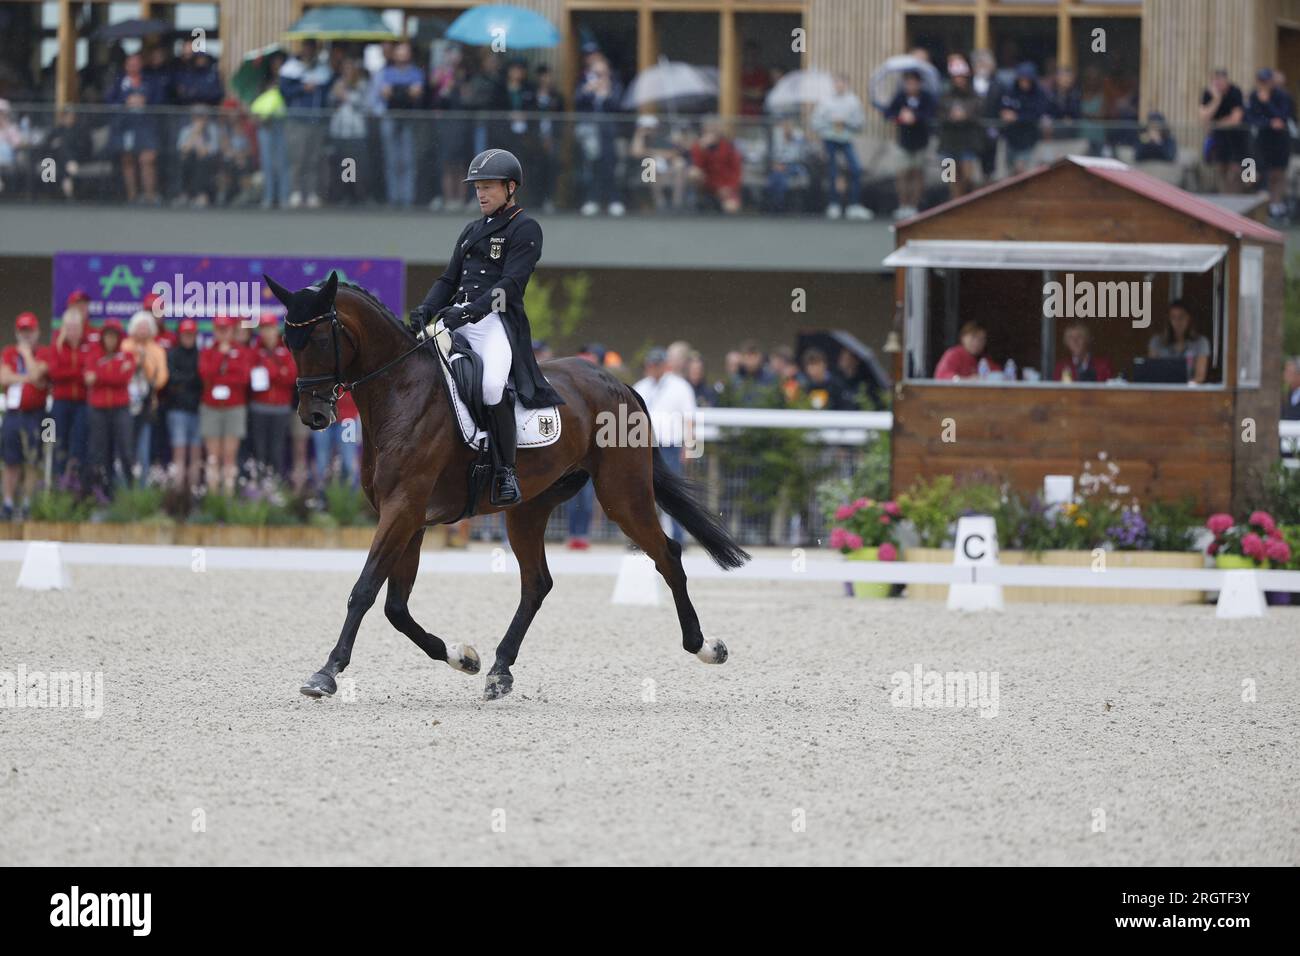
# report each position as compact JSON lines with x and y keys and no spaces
{"x":504,"y":28}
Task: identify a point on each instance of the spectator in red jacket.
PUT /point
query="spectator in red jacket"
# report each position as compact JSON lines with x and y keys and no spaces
{"x":1081,"y":365}
{"x":964,"y":359}
{"x":716,"y":168}
{"x":69,"y":353}
{"x":107,"y":374}
{"x":224,"y":368}
{"x":23,"y":368}
{"x":271,"y":381}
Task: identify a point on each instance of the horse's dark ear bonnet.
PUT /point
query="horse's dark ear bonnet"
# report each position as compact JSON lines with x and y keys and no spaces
{"x":297,"y":337}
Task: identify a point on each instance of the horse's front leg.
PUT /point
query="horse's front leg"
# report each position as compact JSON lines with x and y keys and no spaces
{"x":397,"y":525}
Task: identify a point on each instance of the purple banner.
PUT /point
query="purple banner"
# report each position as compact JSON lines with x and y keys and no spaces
{"x":202,"y":287}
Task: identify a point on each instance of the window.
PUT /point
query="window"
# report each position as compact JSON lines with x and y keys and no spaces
{"x":1250,"y":316}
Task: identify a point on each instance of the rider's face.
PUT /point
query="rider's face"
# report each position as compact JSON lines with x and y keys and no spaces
{"x":491,"y":194}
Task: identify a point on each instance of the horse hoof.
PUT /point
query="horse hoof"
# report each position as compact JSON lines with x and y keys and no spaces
{"x":462,"y":657}
{"x":319,"y":685}
{"x":498,"y":685}
{"x":712,"y":652}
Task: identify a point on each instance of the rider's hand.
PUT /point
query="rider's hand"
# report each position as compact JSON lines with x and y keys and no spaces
{"x":420,"y":318}
{"x":454,"y":316}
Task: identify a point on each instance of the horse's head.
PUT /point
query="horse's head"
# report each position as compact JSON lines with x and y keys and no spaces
{"x":321,"y":345}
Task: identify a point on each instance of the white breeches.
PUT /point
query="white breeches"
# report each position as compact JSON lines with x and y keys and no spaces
{"x":487,"y":337}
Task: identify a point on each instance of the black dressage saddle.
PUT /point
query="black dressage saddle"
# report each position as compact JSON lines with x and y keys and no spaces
{"x":467,"y":373}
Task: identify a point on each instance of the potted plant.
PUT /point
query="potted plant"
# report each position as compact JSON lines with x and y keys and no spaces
{"x":1255,"y":543}
{"x":866,"y":530}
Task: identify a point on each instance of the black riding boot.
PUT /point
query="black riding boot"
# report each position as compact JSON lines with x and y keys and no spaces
{"x":505,"y":484}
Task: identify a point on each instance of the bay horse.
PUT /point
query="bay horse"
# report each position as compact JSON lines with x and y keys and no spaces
{"x":415,"y":472}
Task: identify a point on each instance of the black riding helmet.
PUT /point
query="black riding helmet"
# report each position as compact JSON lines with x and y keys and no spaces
{"x":496,"y":164}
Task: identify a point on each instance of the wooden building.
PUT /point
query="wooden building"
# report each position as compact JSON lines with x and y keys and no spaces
{"x":990,"y":256}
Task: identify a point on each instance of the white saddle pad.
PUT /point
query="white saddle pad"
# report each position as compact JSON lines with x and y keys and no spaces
{"x":534,"y":427}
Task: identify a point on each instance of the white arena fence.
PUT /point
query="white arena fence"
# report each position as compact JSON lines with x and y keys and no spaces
{"x":801,"y":566}
{"x":833,"y":445}
{"x":730,"y":440}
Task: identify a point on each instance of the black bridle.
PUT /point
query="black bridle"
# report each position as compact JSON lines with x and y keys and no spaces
{"x":339,"y":387}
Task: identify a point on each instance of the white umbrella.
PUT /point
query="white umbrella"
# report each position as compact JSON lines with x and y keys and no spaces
{"x":797,"y":88}
{"x":901,"y":64}
{"x":667,"y":81}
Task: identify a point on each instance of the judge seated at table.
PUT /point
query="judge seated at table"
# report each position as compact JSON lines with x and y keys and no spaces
{"x":1180,"y":340}
{"x":963,"y":360}
{"x":1291,"y":397}
{"x":1081,"y":365}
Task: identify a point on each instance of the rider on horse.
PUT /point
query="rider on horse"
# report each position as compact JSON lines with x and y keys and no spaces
{"x":482,"y":295}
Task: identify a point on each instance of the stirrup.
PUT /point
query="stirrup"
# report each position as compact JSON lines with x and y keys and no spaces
{"x":505,"y":488}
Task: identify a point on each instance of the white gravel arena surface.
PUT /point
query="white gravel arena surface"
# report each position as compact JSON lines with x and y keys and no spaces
{"x":1121,"y":735}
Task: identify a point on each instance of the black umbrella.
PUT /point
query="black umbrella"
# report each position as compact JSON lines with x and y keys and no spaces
{"x":133,"y":29}
{"x":834,"y":341}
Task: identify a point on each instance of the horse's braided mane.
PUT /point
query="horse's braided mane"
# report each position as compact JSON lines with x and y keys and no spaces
{"x":374,"y":300}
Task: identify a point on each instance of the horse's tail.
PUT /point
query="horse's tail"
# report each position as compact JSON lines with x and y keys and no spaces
{"x":681,"y":497}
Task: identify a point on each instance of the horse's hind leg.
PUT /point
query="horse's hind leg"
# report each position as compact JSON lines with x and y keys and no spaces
{"x":526,"y":527}
{"x":625,"y":487}
{"x":401,"y":579}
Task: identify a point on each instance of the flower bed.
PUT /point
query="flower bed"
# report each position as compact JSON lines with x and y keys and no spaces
{"x":1102,"y":516}
{"x":259,"y":514}
{"x":197,"y":536}
{"x":1255,"y":543}
{"x":865,"y":530}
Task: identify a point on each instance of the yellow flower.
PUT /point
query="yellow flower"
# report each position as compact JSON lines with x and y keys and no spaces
{"x":1081,"y":522}
{"x":1071,"y":508}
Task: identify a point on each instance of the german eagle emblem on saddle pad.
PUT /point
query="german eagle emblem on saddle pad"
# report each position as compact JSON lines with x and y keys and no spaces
{"x":462,"y":374}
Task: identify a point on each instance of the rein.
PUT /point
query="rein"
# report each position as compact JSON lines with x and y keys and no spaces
{"x":341,"y":387}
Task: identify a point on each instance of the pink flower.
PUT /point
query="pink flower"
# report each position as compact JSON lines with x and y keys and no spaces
{"x":1219,"y":523}
{"x":863,"y":503}
{"x":845,"y":540}
{"x":891,"y":508}
{"x":1278,"y":551}
{"x":844,"y":512}
{"x":885,"y":519}
{"x":1275,"y":534}
{"x":887,"y":552}
{"x":1262,"y":519}
{"x":1252,"y":546}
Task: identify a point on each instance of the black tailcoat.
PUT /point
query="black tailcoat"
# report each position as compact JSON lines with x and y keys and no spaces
{"x":499,"y":255}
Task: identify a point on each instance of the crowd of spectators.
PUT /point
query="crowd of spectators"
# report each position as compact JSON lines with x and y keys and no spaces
{"x":981,"y":107}
{"x":409,"y":121}
{"x":148,"y":403}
